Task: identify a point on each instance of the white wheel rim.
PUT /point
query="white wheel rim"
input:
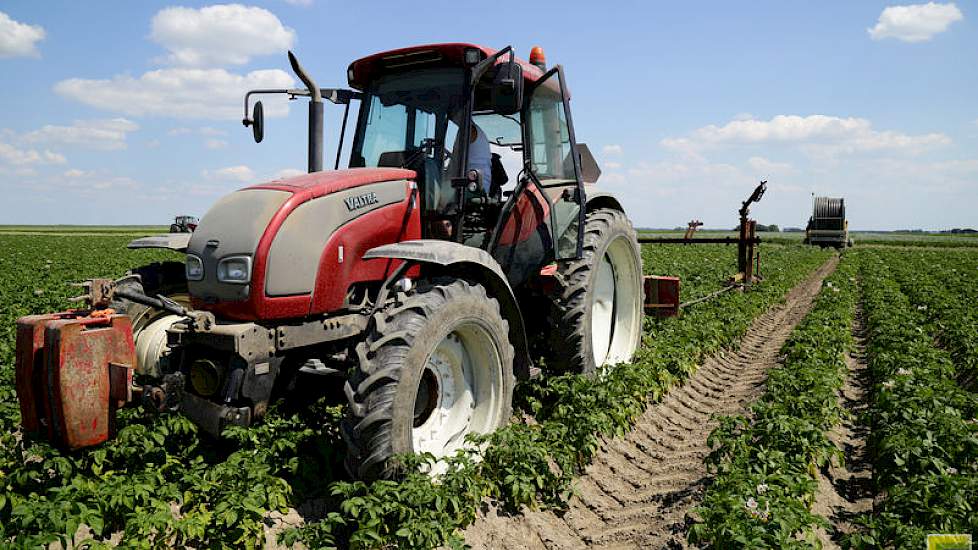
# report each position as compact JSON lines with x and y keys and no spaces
{"x":603,"y":310}
{"x":459,"y":392}
{"x":616,"y":306}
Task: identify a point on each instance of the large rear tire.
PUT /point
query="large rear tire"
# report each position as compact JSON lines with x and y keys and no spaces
{"x":434,"y":368}
{"x":596,"y":309}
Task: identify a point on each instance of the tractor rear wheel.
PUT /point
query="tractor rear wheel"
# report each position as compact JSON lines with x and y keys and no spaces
{"x":596,"y":309}
{"x":435,"y":367}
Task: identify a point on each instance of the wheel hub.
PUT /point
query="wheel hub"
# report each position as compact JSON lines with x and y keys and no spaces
{"x":458,"y":392}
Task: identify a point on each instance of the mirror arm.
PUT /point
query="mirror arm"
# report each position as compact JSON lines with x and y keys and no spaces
{"x":484,"y":65}
{"x":247,"y":121}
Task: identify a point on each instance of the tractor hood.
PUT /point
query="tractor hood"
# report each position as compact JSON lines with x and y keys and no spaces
{"x":265,"y":241}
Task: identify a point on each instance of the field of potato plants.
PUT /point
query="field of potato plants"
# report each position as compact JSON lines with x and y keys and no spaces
{"x":161,"y":484}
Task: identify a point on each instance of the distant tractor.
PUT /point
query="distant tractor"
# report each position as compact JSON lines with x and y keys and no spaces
{"x":406,"y":283}
{"x":828,"y":225}
{"x":184,"y":224}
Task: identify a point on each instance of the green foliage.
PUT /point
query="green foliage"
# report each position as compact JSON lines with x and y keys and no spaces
{"x":924,"y":441}
{"x":766,"y":462}
{"x":161,"y":484}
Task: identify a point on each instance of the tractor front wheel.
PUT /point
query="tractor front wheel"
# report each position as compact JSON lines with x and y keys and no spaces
{"x":436,"y":366}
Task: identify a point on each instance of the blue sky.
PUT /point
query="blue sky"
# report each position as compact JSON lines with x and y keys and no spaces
{"x":129,"y":112}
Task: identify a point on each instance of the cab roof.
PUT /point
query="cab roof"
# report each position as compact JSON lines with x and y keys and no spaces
{"x":365,"y":69}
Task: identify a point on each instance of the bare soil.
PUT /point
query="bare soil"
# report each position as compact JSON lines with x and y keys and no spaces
{"x":640,"y":489}
{"x":845,"y":490}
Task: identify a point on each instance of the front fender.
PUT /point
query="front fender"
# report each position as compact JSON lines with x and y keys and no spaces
{"x":172,"y":241}
{"x":470,"y":263}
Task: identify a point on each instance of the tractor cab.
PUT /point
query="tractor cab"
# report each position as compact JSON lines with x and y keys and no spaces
{"x":418,"y":106}
{"x":514,"y":187}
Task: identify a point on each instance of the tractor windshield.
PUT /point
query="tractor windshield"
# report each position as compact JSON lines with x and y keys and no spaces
{"x":404,"y":112}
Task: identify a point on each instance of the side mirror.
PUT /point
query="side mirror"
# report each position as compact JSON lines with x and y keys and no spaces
{"x":507,"y":88}
{"x":258,"y":122}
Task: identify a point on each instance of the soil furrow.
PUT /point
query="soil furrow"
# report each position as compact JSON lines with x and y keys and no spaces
{"x":846,"y":491}
{"x":638,"y":491}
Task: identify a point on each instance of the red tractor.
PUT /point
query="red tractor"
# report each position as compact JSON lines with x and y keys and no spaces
{"x":417,"y":279}
{"x":184,"y":224}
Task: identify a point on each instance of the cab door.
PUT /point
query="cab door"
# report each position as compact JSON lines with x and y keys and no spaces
{"x":553,"y":162}
{"x":544,"y":219}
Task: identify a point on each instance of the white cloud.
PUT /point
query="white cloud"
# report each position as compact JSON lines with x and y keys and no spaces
{"x":209,"y":131}
{"x":182,"y":131}
{"x":612,"y":165}
{"x":76,"y":173}
{"x":818,"y":134}
{"x":18,"y":39}
{"x":15,"y":156}
{"x":915,"y":22}
{"x":288,"y":173}
{"x":612,"y":150}
{"x":765,"y":167}
{"x":178,"y":92}
{"x":215,"y":144}
{"x":240,"y":173}
{"x":120,"y":182}
{"x":101,"y":134}
{"x":226,"y":34}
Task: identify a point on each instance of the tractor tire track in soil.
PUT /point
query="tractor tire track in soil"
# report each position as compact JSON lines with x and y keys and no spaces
{"x":846,"y":492}
{"x":638,"y":491}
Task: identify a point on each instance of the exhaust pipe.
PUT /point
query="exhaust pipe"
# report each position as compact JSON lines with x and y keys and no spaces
{"x":315,"y":116}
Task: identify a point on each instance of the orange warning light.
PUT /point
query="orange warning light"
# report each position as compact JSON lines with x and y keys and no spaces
{"x":538,"y":58}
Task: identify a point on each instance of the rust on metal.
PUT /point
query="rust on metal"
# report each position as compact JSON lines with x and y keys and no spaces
{"x":98,"y":292}
{"x":73,"y":371}
{"x":661,"y":296}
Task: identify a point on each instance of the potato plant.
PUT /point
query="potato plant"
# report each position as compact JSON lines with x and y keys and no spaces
{"x":924,"y":440}
{"x":766,"y":461}
{"x":532,"y":463}
{"x":161,"y":483}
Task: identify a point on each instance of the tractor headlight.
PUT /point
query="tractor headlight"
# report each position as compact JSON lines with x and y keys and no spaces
{"x":195,"y":268}
{"x":235,"y":269}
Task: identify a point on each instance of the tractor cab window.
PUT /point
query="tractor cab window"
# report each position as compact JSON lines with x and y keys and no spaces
{"x":549,"y":137}
{"x":386,"y":132}
{"x":552,"y":157}
{"x":404,"y":113}
{"x":504,"y":133}
{"x":406,"y":121}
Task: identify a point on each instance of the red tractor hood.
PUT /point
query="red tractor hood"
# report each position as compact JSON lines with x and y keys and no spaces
{"x":303,"y":237}
{"x":317,"y":184}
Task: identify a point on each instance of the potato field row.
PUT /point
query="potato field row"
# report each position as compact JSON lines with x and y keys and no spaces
{"x":919,"y":417}
{"x":161,"y":484}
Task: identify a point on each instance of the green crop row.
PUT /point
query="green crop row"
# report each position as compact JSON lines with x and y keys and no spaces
{"x":534,"y":463}
{"x":766,"y":461}
{"x":924,"y":434}
{"x":944,"y":287}
{"x":162,"y":484}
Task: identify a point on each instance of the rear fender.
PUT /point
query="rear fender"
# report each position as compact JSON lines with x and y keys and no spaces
{"x":472,"y":264}
{"x":597,"y":198}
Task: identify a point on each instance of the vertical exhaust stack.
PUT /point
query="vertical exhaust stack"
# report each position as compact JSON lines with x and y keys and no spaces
{"x":315,"y":116}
